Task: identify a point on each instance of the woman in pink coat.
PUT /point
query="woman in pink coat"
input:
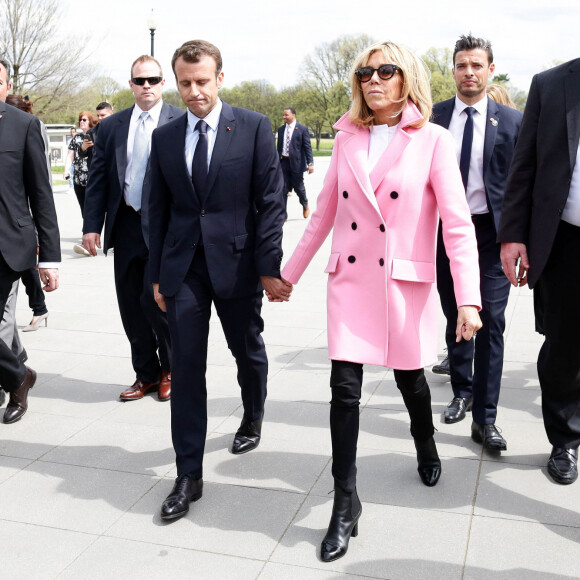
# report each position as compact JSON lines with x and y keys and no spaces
{"x":392,"y":175}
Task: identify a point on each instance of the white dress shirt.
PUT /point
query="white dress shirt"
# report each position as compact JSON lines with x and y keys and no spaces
{"x":571,"y":213}
{"x":192,"y":136}
{"x":288,"y":132}
{"x":381,"y":136}
{"x":150,"y":124}
{"x":475,"y":193}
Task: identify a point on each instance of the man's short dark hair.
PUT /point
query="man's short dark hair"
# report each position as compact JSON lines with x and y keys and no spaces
{"x":6,"y":65}
{"x":193,"y":50}
{"x":104,"y":105}
{"x":291,"y":109}
{"x":472,"y":43}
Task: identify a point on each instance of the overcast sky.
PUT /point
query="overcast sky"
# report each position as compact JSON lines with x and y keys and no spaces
{"x":268,"y":39}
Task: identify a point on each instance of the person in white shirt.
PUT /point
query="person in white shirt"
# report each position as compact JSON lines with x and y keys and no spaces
{"x":485,"y":134}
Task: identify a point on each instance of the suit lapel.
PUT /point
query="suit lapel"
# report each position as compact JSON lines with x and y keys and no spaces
{"x":444,"y":113}
{"x":572,"y":92}
{"x":225,"y":134}
{"x":491,"y":124}
{"x":2,"y":111}
{"x":121,"y":136}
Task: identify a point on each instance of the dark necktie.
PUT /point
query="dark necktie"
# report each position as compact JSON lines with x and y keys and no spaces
{"x":465,"y":158}
{"x":199,"y":163}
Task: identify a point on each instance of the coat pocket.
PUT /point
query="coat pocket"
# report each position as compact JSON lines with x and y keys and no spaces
{"x":412,"y":271}
{"x":25,"y":220}
{"x":332,"y":263}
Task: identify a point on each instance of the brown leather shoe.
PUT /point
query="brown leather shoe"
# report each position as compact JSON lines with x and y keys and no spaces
{"x":137,"y":390}
{"x":164,"y":392}
{"x":306,"y":212}
{"x":18,"y":403}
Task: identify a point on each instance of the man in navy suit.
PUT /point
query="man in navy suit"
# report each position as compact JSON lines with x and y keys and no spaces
{"x":485,"y":133}
{"x":540,"y":225}
{"x":28,"y":225}
{"x":117,"y":197}
{"x":217,"y":213}
{"x":295,"y":156}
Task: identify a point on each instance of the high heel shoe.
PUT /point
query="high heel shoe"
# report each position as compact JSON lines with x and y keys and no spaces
{"x":346,"y":512}
{"x":429,"y":463}
{"x":36,"y":322}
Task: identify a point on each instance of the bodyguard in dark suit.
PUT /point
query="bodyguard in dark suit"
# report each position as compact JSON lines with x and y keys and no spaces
{"x":540,"y":225}
{"x":485,"y":133}
{"x":296,"y":157}
{"x":117,"y":196}
{"x":27,"y":220}
{"x":215,"y":236}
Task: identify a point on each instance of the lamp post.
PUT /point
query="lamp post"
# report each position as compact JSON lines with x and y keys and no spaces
{"x":152,"y":25}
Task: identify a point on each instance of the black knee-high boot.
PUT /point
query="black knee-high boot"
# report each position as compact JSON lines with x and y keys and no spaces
{"x":417,"y":397}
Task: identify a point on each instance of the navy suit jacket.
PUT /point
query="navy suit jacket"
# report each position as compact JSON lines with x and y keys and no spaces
{"x":544,"y":159}
{"x":106,"y":182}
{"x":501,"y":133}
{"x":300,"y":148}
{"x":239,"y":219}
{"x":26,"y":200}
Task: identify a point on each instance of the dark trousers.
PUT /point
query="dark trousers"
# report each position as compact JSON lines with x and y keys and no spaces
{"x":80,"y":193}
{"x":476,"y":365}
{"x":293,"y":181}
{"x":346,"y":382}
{"x":12,"y":371}
{"x":145,"y":324}
{"x":556,"y":299}
{"x":189,"y":314}
{"x":31,"y":280}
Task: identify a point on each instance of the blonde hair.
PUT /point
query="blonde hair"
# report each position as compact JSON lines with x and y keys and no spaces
{"x":500,"y":95}
{"x":415,"y":85}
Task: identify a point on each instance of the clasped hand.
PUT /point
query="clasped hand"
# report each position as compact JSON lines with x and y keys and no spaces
{"x":277,"y":289}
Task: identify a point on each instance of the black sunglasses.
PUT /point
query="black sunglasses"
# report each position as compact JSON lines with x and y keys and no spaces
{"x":151,"y":80}
{"x":386,"y":72}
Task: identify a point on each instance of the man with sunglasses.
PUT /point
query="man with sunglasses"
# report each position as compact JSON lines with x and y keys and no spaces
{"x":295,"y":157}
{"x":117,"y":197}
{"x":485,"y":134}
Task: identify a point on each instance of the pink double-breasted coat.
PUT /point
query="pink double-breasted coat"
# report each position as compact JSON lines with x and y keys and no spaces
{"x":382,"y":296}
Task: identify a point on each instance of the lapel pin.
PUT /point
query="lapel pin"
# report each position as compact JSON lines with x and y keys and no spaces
{"x":493,"y":121}
{"x":228,"y":128}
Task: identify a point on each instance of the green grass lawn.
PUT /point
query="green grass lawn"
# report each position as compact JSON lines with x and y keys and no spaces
{"x":325,"y":147}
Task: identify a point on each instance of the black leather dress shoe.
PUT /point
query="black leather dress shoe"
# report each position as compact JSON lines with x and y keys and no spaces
{"x":247,"y":437}
{"x":429,"y":463}
{"x":563,"y":465}
{"x":185,"y":490}
{"x":442,"y":368}
{"x":456,"y":410}
{"x":18,"y":403}
{"x":489,"y":436}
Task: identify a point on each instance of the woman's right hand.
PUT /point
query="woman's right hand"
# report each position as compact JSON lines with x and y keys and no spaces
{"x":468,"y":323}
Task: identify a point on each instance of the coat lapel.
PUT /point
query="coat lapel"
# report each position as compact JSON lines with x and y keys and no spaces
{"x":491,"y":124}
{"x":444,"y":113}
{"x":395,"y":149}
{"x":121,"y":137}
{"x":356,"y":152}
{"x":572,"y":90}
{"x":225,"y":134}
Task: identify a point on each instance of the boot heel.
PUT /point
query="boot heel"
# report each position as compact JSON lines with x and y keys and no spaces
{"x":355,"y":531}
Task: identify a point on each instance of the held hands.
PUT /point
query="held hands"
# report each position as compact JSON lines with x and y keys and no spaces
{"x":91,"y":242}
{"x":49,"y":277}
{"x":514,"y":257}
{"x":159,"y":298}
{"x":277,"y":289}
{"x":468,"y":323}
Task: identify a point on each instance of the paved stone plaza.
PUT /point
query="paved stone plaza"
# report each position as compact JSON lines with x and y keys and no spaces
{"x":82,"y":476}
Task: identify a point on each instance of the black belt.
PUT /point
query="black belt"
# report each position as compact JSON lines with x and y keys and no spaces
{"x":132,"y":209}
{"x":284,"y":156}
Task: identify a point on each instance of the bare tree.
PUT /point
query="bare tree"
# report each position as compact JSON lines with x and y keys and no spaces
{"x":43,"y":66}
